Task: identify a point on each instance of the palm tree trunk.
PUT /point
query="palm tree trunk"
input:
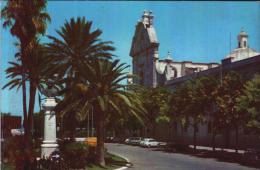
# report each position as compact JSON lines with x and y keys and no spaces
{"x":100,"y":159}
{"x":31,"y":107}
{"x":25,"y":114}
{"x":25,"y":118}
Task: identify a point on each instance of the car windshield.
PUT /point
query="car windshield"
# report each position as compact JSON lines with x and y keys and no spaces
{"x":152,"y":140}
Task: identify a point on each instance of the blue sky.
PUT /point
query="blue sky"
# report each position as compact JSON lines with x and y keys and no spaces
{"x":196,"y":31}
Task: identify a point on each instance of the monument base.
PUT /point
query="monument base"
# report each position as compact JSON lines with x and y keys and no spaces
{"x":48,"y":147}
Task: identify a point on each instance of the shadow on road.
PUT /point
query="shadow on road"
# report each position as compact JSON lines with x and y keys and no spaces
{"x":221,"y":156}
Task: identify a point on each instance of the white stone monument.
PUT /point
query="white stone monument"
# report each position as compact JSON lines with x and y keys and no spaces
{"x":49,"y":142}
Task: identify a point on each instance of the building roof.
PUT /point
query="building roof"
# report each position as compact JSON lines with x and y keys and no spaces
{"x":240,"y":66}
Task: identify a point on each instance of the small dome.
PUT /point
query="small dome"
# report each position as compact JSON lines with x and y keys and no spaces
{"x":243,"y":33}
{"x":169,"y":56}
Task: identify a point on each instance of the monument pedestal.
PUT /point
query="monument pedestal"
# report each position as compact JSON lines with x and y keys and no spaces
{"x":49,"y":141}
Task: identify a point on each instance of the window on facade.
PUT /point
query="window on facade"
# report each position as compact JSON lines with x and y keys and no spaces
{"x":174,"y":70}
{"x":209,"y":127}
{"x":239,"y":45}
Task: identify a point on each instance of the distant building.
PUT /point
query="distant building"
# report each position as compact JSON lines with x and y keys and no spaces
{"x":153,"y":72}
{"x":9,"y":122}
{"x":145,"y":58}
{"x":242,"y":51}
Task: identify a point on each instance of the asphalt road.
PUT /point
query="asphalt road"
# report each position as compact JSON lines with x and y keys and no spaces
{"x":149,"y":159}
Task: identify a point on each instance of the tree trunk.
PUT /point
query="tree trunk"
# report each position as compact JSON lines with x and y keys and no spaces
{"x":169,"y":132}
{"x":194,"y":136}
{"x":182,"y":133}
{"x":236,"y":139}
{"x":27,"y":149}
{"x":100,"y":157}
{"x":213,"y":139}
{"x":31,"y":107}
{"x":25,"y":115}
{"x":223,"y":138}
{"x":25,"y":118}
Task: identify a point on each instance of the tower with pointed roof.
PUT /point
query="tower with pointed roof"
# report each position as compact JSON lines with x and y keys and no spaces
{"x":144,"y":51}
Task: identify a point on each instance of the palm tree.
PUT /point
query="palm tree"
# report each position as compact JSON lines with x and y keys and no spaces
{"x":27,"y":19}
{"x":36,"y":73}
{"x":99,"y":88}
{"x":39,"y":73}
{"x":77,"y":44}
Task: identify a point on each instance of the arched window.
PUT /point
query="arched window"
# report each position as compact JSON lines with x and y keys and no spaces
{"x":244,"y":43}
{"x":175,"y":71}
{"x":170,"y":72}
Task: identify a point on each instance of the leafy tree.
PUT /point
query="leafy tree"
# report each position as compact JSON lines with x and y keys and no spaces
{"x":197,"y":102}
{"x":178,"y":102}
{"x":156,"y":102}
{"x":206,"y":89}
{"x":248,"y":103}
{"x":226,"y":101}
{"x":99,"y":88}
{"x":194,"y":108}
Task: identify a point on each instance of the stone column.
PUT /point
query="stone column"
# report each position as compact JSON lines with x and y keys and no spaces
{"x":49,"y":142}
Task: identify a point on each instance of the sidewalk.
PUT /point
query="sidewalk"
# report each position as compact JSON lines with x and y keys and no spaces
{"x":217,"y":149}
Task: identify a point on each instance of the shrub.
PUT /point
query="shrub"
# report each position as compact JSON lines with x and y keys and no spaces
{"x":12,"y":148}
{"x":74,"y":153}
{"x":14,"y":152}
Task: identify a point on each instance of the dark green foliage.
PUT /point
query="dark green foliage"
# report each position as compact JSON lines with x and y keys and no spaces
{"x":156,"y":103}
{"x":38,"y":125}
{"x":75,"y":154}
{"x":13,"y":151}
{"x":77,"y":44}
{"x":248,"y":103}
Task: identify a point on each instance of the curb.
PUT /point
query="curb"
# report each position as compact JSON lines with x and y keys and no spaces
{"x":129,"y":164}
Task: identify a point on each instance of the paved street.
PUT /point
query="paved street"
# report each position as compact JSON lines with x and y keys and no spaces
{"x":148,"y":159}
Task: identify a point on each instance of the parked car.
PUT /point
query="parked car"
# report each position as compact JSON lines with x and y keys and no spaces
{"x":118,"y":140}
{"x":133,"y":140}
{"x":17,"y":132}
{"x":127,"y":140}
{"x":136,"y":140}
{"x":144,"y":140}
{"x":109,"y":139}
{"x":149,"y":142}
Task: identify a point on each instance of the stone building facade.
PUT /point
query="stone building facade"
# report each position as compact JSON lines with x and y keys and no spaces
{"x":153,"y":72}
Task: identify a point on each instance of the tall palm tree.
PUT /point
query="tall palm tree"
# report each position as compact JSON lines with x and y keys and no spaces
{"x":38,"y":74}
{"x":99,"y":88}
{"x":26,"y":20}
{"x":77,"y":44}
